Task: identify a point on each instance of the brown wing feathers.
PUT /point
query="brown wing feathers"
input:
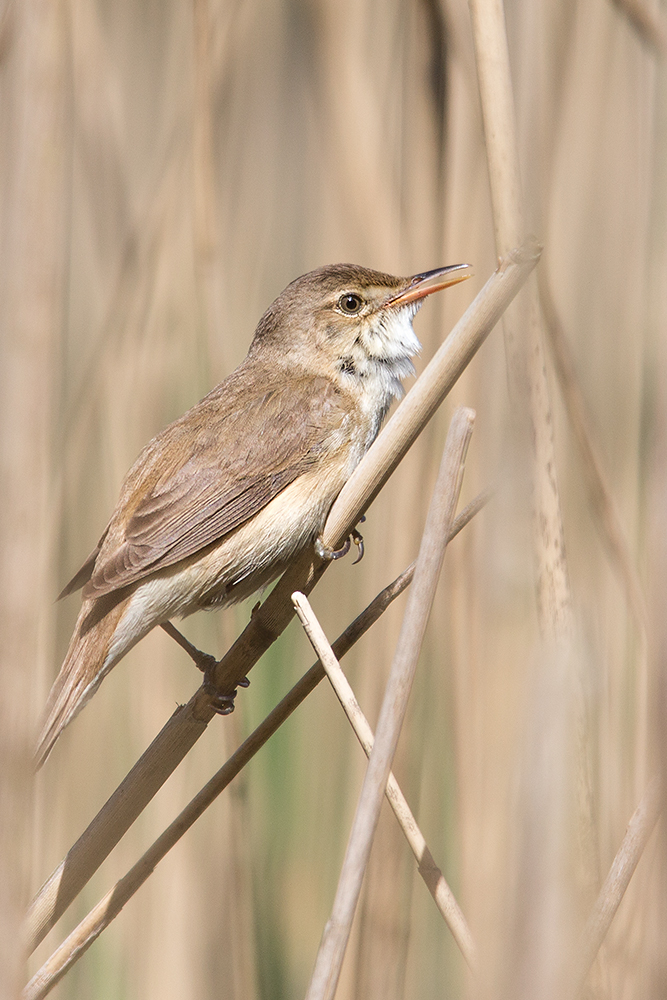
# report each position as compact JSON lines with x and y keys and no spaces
{"x":201,"y":495}
{"x":163,"y":542}
{"x":85,"y":573}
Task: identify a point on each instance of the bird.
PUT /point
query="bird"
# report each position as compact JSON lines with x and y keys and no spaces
{"x":220,"y":502}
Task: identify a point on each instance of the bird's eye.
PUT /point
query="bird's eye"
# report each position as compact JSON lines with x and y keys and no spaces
{"x":350,"y":303}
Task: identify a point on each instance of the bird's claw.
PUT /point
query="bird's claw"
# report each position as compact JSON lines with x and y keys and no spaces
{"x":222,"y":702}
{"x":328,"y":555}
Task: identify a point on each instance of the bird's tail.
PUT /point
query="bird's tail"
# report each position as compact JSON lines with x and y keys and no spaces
{"x":82,"y":672}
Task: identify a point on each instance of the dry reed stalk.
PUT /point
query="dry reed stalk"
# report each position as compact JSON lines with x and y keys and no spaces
{"x":602,"y":498}
{"x":603,"y":504}
{"x":135,"y":234}
{"x":208,"y":258}
{"x":521,"y":324}
{"x":648,"y":21}
{"x":188,"y":722}
{"x":640,"y":828}
{"x":528,"y":378}
{"x":440,"y":516}
{"x":435,"y":881}
{"x":34,"y":219}
{"x":90,"y":928}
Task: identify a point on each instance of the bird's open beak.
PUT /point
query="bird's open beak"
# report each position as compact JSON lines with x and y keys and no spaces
{"x":419,"y":287}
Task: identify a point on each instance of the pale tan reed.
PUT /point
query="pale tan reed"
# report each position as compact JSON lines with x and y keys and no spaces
{"x":329,"y":961}
{"x":33,"y":237}
{"x":522,"y":323}
{"x":435,"y":881}
{"x":602,"y":499}
{"x":641,"y":826}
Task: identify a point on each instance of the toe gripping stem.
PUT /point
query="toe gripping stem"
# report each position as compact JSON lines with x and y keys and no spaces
{"x":221,"y":702}
{"x":328,"y":555}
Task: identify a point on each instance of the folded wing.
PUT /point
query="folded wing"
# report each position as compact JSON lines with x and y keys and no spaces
{"x":210,"y":472}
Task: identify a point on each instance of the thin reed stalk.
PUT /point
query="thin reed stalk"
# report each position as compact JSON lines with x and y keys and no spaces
{"x":640,"y":828}
{"x":602,"y":499}
{"x":330,"y":956}
{"x":36,"y":149}
{"x":541,"y":910}
{"x":603,"y":505}
{"x":188,"y":722}
{"x":522,"y":323}
{"x":435,"y":881}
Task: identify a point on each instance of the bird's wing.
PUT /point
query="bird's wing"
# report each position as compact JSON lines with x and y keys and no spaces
{"x":84,"y":574}
{"x":227,"y":462}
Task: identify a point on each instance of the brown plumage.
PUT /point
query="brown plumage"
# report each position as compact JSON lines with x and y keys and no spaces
{"x":217,"y":504}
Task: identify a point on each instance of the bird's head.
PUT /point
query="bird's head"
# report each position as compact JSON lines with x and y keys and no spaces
{"x":349,"y":322}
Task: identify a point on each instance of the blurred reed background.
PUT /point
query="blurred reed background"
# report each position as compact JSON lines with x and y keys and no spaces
{"x":167,"y":169}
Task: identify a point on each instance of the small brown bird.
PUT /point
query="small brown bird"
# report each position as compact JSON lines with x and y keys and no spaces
{"x":219,"y":503}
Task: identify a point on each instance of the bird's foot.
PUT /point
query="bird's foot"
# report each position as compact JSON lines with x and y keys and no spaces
{"x":358,"y":540}
{"x":328,"y":555}
{"x":222,"y":702}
